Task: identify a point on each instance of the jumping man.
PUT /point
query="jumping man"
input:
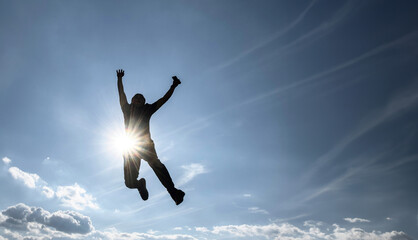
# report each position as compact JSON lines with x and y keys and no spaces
{"x":137,"y":116}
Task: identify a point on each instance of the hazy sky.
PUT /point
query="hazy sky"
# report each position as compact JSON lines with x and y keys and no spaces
{"x":294,"y":119}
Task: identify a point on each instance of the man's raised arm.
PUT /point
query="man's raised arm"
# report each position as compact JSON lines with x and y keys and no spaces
{"x":166,"y":96}
{"x":122,"y":96}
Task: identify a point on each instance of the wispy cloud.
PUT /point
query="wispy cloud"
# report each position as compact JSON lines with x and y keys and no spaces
{"x":191,"y":171}
{"x":166,"y":147}
{"x":386,"y":167}
{"x":304,"y":215}
{"x":201,"y":229}
{"x":400,"y":103}
{"x":314,"y":34}
{"x":338,"y":182}
{"x":396,"y":106}
{"x":6,"y":160}
{"x":413,"y":36}
{"x":410,"y":37}
{"x":368,"y":164}
{"x":310,"y":36}
{"x":356,"y":220}
{"x":51,"y":162}
{"x":257,"y":210}
{"x":159,"y":218}
{"x":268,"y":40}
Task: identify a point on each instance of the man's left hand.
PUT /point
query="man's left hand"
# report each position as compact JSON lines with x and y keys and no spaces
{"x":176,"y":81}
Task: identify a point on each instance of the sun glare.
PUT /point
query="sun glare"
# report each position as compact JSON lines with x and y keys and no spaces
{"x":124,"y":143}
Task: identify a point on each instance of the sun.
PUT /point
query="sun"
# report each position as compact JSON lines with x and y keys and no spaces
{"x":118,"y":141}
{"x":124,"y":142}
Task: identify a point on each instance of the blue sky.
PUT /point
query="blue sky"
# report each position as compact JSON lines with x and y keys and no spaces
{"x":294,"y":119}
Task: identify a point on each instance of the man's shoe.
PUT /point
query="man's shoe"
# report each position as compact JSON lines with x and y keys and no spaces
{"x":177,"y":195}
{"x":142,"y":189}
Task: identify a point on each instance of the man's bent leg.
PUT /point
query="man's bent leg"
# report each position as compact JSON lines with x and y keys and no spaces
{"x":131,"y":171}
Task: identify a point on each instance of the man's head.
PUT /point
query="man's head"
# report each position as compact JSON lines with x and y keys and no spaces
{"x":138,"y":99}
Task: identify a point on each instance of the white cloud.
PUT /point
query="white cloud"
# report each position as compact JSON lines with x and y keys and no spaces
{"x":48,"y":192}
{"x":6,"y":160}
{"x":75,"y":197}
{"x":178,"y":228}
{"x":72,"y":196}
{"x":354,"y":220}
{"x":246,"y":195}
{"x":22,"y":218}
{"x":388,"y":218}
{"x":166,"y":147}
{"x":257,"y":210}
{"x":358,"y":233}
{"x":192,"y":171}
{"x":312,"y":230}
{"x":29,"y":179}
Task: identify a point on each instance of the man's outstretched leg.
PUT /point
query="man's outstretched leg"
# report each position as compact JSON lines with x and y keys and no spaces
{"x":162,"y":173}
{"x":131,"y":172}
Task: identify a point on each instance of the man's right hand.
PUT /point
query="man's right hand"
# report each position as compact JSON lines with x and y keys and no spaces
{"x":120,"y":73}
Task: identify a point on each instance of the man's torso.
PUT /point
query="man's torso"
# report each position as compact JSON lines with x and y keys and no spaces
{"x":137,"y":119}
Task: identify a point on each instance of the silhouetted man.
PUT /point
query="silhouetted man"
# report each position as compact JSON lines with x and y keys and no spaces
{"x":137,"y":116}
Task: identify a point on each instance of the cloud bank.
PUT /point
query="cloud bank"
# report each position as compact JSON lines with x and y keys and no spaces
{"x":311,"y":230}
{"x":22,"y":218}
{"x":24,"y":222}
